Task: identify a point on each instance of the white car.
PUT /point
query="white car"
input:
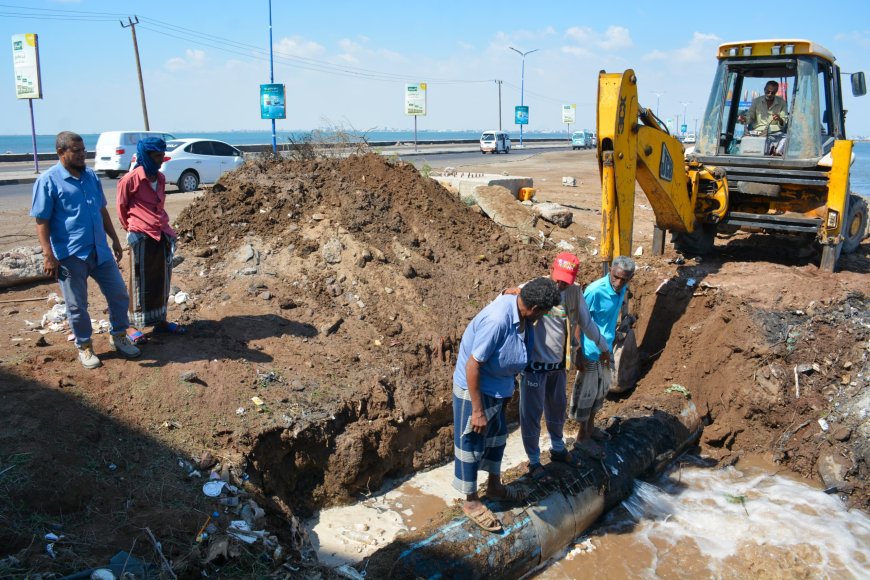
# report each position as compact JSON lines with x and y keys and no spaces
{"x":189,"y":162}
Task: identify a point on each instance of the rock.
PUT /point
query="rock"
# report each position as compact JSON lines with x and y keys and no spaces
{"x":394,"y":329}
{"x":842,"y":433}
{"x":832,"y":468}
{"x":332,"y":327}
{"x":203,"y":252}
{"x":409,"y":272}
{"x":388,"y":290}
{"x":318,"y":217}
{"x":21,"y":266}
{"x":174,"y":290}
{"x":265,"y":295}
{"x":41,"y":341}
{"x":331,"y":251}
{"x":805,"y":368}
{"x":189,"y":377}
{"x":65,"y":382}
{"x":554,"y":213}
{"x":248,"y":271}
{"x":247,"y":254}
{"x":569,"y":181}
{"x":287,"y":304}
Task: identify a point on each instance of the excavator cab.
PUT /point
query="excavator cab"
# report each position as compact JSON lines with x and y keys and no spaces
{"x":808,"y":82}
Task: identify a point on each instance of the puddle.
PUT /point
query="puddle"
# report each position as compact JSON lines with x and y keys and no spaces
{"x":348,"y":534}
{"x":723,"y":523}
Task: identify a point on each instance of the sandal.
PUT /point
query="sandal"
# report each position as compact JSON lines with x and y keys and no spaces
{"x":600,"y":434}
{"x":564,"y":457}
{"x":539,"y":474}
{"x":136,"y":337}
{"x":589,"y":448}
{"x":484,"y":518}
{"x":170,"y":328}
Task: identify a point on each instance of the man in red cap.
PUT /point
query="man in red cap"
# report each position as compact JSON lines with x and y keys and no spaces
{"x":554,"y":340}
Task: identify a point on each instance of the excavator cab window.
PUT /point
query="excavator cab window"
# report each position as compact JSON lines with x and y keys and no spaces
{"x":808,"y":104}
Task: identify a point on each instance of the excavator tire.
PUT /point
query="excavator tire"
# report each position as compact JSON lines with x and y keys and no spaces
{"x":700,"y":242}
{"x":855,"y":226}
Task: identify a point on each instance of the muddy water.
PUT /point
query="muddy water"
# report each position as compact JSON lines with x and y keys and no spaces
{"x":693,"y":523}
{"x":723,"y":523}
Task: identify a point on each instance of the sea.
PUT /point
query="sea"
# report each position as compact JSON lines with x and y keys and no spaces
{"x":860,"y":176}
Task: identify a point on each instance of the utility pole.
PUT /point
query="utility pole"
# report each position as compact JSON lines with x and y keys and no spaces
{"x":499,"y":103}
{"x":132,"y":26}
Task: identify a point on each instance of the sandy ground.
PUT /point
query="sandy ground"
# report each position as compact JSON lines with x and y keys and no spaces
{"x":334,"y":292}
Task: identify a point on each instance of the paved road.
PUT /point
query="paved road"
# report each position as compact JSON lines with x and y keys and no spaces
{"x":18,"y":196}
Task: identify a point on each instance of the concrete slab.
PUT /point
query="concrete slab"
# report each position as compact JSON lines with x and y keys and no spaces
{"x":465,"y":183}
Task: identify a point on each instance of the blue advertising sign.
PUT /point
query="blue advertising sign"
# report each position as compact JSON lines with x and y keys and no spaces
{"x":272,"y":102}
{"x":683,"y":128}
{"x":744,"y":104}
{"x":521,"y":115}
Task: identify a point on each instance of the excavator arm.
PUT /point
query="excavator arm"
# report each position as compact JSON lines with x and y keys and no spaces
{"x":633,"y":147}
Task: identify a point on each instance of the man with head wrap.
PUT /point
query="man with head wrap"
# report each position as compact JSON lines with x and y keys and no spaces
{"x":141,"y":198}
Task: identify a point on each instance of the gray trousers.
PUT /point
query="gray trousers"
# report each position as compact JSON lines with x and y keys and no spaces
{"x":542,"y":393}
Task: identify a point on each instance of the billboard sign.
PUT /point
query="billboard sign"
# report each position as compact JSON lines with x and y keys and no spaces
{"x":415,"y":99}
{"x":273,"y":101}
{"x":25,"y":59}
{"x":569,"y":114}
{"x":521,"y":115}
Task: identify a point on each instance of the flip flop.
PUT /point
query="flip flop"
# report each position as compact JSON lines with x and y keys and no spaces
{"x":170,"y":328}
{"x":484,"y":518}
{"x":564,"y":457}
{"x":539,"y":474}
{"x":136,"y":337}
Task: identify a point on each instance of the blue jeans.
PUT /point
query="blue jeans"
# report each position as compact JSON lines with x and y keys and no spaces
{"x":73,"y":278}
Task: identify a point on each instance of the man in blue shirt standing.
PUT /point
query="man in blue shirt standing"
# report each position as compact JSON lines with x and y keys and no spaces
{"x":493,"y":350}
{"x":72,"y":223}
{"x":604,"y":298}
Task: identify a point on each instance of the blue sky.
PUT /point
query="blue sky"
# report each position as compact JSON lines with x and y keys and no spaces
{"x":345,"y":63}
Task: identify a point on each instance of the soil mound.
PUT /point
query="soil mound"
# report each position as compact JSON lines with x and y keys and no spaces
{"x":386,"y":267}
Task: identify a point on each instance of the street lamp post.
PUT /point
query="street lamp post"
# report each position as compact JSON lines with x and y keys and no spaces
{"x":658,"y":99}
{"x":685,"y":118}
{"x":522,"y":81}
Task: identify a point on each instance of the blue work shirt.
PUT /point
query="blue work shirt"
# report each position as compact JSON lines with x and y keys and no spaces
{"x":494,"y":339}
{"x":72,"y":207}
{"x":604,"y":305}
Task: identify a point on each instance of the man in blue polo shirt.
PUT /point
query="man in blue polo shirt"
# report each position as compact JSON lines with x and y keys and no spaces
{"x":72,"y":223}
{"x":494,"y":348}
{"x":604,"y":298}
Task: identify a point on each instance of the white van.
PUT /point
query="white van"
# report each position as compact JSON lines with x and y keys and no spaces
{"x":116,"y":148}
{"x":495,"y":142}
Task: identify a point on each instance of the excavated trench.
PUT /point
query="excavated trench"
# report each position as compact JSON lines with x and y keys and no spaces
{"x":389,"y":267}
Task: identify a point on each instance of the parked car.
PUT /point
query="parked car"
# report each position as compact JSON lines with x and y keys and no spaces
{"x":689,"y":138}
{"x":116,"y":148}
{"x":190,"y":162}
{"x":581,"y":140}
{"x":495,"y":142}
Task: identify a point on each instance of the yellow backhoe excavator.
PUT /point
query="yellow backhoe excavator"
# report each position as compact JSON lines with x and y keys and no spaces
{"x":739,"y":174}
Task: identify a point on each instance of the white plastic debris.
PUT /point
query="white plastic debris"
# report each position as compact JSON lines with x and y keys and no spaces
{"x":54,"y":317}
{"x":181,"y":297}
{"x":824,"y":425}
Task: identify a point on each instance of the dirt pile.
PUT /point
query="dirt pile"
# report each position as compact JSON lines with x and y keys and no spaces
{"x":386,"y":268}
